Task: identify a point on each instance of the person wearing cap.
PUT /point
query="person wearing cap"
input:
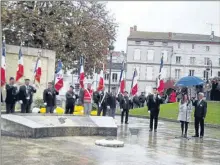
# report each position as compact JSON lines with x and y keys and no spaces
{"x":49,"y":97}
{"x":11,"y":96}
{"x":71,"y":98}
{"x":199,"y":114}
{"x":125,"y":104}
{"x":154,"y":101}
{"x":25,"y":96}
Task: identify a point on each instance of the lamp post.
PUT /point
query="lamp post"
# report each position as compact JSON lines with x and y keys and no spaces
{"x":111,"y":48}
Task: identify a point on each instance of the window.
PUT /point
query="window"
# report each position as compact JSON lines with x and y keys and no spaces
{"x":149,"y":73}
{"x":164,"y":73}
{"x":206,"y":61}
{"x":179,"y":45}
{"x":114,"y":77}
{"x":193,"y":46}
{"x":191,"y":72}
{"x":138,"y":42}
{"x":165,"y":55}
{"x":151,"y":42}
{"x":178,"y":59}
{"x":137,"y":54}
{"x":177,"y":73}
{"x":207,"y":48}
{"x":150,"y":55}
{"x":192,"y":60}
{"x":106,"y":76}
{"x":165,"y":43}
{"x":205,"y":74}
{"x":218,"y":74}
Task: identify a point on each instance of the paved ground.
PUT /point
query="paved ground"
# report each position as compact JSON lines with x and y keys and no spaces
{"x":146,"y":148}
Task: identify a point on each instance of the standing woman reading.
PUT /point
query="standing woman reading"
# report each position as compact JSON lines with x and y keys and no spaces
{"x":185,"y":110}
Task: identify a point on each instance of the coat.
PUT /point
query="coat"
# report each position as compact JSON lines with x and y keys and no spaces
{"x":125,"y":103}
{"x":71,"y":98}
{"x":49,"y":97}
{"x":112,"y":101}
{"x":200,"y":109}
{"x":23,"y":94}
{"x":185,"y":111}
{"x":154,"y":105}
{"x":11,"y":94}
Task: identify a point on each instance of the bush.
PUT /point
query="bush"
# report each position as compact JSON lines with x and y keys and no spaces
{"x":39,"y":103}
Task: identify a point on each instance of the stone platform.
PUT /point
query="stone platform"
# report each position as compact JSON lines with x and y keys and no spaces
{"x":41,"y":125}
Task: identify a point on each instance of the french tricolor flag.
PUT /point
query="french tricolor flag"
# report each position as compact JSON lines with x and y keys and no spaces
{"x":3,"y":64}
{"x":160,"y":83}
{"x":81,"y":74}
{"x":101,"y":80}
{"x":20,"y":70}
{"x":134,"y":84}
{"x":122,"y":80}
{"x":37,"y":70}
{"x":59,"y":76}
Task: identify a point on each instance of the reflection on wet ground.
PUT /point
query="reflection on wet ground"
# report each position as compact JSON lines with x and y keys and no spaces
{"x":141,"y":147}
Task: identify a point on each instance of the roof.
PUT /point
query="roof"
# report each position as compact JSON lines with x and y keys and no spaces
{"x":142,"y":35}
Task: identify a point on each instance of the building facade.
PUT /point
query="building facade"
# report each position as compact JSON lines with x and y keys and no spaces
{"x":184,"y":54}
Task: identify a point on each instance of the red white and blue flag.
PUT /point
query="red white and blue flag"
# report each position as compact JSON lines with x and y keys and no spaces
{"x":81,"y":74}
{"x":59,"y":76}
{"x":101,"y":80}
{"x":134,"y":84}
{"x":122,"y":80}
{"x":3,"y":64}
{"x":20,"y":69}
{"x":160,"y":83}
{"x":37,"y":70}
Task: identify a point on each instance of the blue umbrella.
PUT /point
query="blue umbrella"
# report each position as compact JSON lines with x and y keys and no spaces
{"x":189,"y":81}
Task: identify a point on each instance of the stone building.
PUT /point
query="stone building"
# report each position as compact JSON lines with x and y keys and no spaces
{"x":184,"y":54}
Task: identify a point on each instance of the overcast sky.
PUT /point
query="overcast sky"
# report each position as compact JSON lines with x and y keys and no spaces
{"x":183,"y":17}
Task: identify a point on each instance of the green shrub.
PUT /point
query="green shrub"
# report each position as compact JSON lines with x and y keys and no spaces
{"x":39,"y":103}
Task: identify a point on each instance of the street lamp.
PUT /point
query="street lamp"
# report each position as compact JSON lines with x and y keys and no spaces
{"x":111,"y":48}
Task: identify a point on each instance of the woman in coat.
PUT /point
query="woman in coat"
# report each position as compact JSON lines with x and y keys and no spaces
{"x":185,"y":109}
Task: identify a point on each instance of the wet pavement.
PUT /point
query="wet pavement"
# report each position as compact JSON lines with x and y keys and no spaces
{"x":141,"y":148}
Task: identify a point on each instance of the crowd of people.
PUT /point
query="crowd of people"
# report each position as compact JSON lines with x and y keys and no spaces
{"x":107,"y":103}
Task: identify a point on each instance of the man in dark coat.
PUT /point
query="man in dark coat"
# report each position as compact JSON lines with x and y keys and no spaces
{"x":25,"y":96}
{"x":71,"y":98}
{"x":153,"y":104}
{"x":125,"y":104}
{"x":112,"y":102}
{"x":200,"y":114}
{"x":49,"y":97}
{"x":136,"y":102}
{"x":11,"y":95}
{"x":102,"y":103}
{"x":142,"y":99}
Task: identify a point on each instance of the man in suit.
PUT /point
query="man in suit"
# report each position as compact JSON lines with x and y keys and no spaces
{"x":11,"y":96}
{"x":25,"y":96}
{"x":102,"y":102}
{"x":200,"y":114}
{"x":125,"y":104}
{"x":153,"y":104}
{"x":49,"y":97}
{"x":71,"y":98}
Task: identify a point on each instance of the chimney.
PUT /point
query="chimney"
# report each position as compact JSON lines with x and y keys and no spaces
{"x":131,"y":29}
{"x":135,"y":28}
{"x":212,"y":35}
{"x":170,"y":35}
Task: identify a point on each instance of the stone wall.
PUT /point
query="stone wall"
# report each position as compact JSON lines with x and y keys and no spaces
{"x":30,"y":56}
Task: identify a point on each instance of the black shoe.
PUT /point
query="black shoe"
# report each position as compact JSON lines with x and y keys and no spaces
{"x":150,"y":130}
{"x":195,"y":136}
{"x":126,"y":123}
{"x":121,"y":122}
{"x":201,"y":137}
{"x":185,"y":136}
{"x":155,"y":130}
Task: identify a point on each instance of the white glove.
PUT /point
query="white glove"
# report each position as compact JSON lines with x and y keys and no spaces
{"x":34,"y":86}
{"x":45,"y":104}
{"x":148,"y":111}
{"x":21,"y":102}
{"x":108,"y":107}
{"x":159,"y":97}
{"x":74,"y":96}
{"x":15,"y":85}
